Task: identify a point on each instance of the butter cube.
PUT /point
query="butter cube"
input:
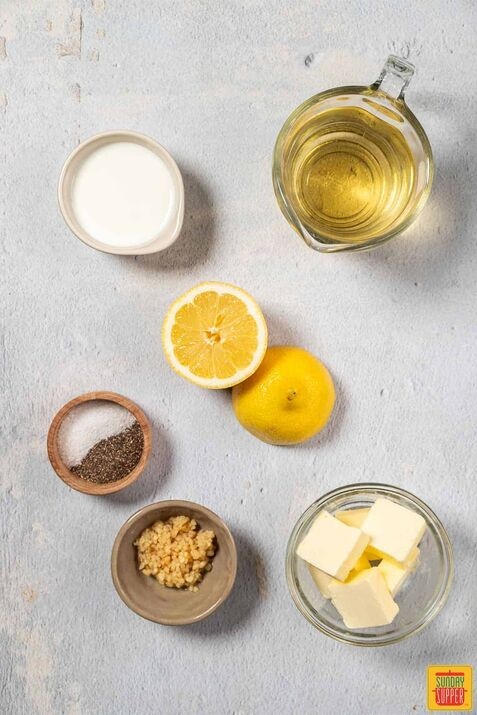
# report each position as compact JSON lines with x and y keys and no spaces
{"x":395,"y":573}
{"x":352,"y":517}
{"x":331,"y":546}
{"x":412,"y":561}
{"x":364,"y":602}
{"x":355,"y":517}
{"x":324,"y":580}
{"x":393,"y":530}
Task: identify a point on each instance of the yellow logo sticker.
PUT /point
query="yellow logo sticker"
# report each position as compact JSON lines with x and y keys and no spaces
{"x":449,"y":687}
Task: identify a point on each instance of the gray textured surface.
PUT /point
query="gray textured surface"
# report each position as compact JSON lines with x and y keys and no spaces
{"x":213,"y":81}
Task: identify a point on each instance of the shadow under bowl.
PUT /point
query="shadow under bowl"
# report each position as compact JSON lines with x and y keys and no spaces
{"x":420,"y":599}
{"x":172,"y":606}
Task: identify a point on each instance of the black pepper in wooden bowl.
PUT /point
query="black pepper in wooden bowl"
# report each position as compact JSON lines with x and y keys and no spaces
{"x":112,"y":458}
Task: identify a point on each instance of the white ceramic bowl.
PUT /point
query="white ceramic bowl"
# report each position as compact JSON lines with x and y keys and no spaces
{"x":168,"y":232}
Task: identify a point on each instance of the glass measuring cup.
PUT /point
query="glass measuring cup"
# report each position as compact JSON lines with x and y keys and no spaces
{"x":352,"y":166}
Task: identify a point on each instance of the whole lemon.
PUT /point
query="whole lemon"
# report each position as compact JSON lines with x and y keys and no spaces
{"x":288,"y":399}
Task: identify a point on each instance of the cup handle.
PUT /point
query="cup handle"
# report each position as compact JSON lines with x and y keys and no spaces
{"x":395,"y":77}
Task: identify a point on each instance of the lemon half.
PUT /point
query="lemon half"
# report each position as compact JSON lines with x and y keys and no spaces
{"x":214,"y":335}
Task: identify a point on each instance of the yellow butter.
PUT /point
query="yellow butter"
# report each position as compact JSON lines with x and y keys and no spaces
{"x":331,"y":546}
{"x":361,"y":563}
{"x":364,"y":601}
{"x":394,"y":530}
{"x":395,"y":573}
{"x":352,"y":517}
{"x":324,"y":580}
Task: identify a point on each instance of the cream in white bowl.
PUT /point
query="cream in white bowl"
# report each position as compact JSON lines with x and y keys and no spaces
{"x":122,"y":192}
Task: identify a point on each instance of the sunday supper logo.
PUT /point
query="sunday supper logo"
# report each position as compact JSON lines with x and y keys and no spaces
{"x":449,"y":687}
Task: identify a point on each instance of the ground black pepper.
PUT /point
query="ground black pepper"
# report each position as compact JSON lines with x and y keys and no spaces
{"x":112,"y":458}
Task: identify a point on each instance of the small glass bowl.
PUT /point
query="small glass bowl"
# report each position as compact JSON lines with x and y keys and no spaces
{"x":421,"y":597}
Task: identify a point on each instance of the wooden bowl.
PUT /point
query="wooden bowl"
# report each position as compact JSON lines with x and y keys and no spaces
{"x":82,"y":485}
{"x":172,"y":606}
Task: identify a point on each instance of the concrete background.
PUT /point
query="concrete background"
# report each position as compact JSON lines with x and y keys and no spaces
{"x":213,"y":81}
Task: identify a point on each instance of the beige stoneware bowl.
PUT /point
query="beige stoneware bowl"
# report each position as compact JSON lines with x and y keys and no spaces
{"x":171,"y":606}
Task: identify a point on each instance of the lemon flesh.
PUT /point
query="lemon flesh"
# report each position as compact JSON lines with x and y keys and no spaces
{"x":288,"y":399}
{"x":214,"y":335}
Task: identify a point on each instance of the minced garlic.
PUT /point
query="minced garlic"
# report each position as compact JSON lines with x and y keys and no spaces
{"x":175,"y":552}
